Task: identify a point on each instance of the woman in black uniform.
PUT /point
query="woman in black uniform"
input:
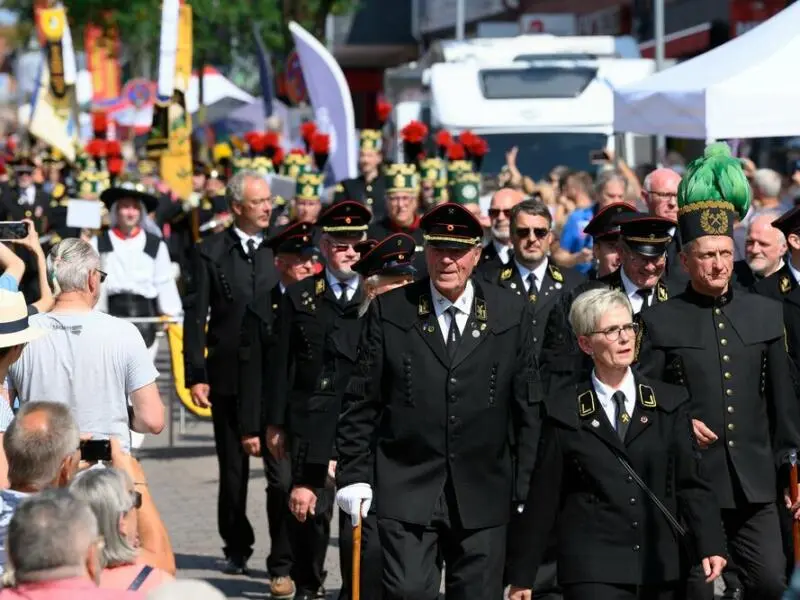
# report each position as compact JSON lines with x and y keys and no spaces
{"x":603,"y":441}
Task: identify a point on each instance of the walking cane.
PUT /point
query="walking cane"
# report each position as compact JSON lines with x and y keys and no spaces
{"x":356,"y":584}
{"x":793,"y":498}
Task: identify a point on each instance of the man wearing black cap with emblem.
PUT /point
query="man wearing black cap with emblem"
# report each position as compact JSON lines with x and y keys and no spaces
{"x":229,"y":269}
{"x":384,"y":267}
{"x":310,"y":310}
{"x":294,"y":260}
{"x":446,"y":379}
{"x":604,"y":230}
{"x":727,"y":348}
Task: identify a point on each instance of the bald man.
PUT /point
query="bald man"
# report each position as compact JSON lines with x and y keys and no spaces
{"x":660,"y":194}
{"x":496,"y":252}
{"x":765,"y":245}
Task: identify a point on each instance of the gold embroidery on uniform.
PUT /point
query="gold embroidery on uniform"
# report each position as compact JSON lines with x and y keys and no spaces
{"x":647,"y":396}
{"x":586,"y":404}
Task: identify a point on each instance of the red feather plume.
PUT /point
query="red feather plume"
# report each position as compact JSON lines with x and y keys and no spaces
{"x":443,"y":138}
{"x":478,"y":146}
{"x":307,"y":130}
{"x":113,"y":148}
{"x":414,"y":133}
{"x":321,"y":143}
{"x":277,"y":157}
{"x":272,"y":139}
{"x":96,"y":148}
{"x":251,"y":138}
{"x":297,"y":151}
{"x":383,"y":110}
{"x":467,"y":138}
{"x":256,"y":143}
{"x":99,"y":122}
{"x":455,"y":151}
{"x":115,"y":164}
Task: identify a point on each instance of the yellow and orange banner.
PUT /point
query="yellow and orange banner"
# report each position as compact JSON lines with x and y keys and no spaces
{"x":176,"y":161}
{"x":102,"y":51}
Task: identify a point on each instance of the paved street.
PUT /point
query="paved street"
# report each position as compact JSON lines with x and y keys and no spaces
{"x":183,"y":480}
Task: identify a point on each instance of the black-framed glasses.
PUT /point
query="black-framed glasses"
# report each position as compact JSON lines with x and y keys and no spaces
{"x":102,"y":274}
{"x":343,"y":247}
{"x":612,"y":333}
{"x":495,"y":212}
{"x":136,"y":498}
{"x":525,"y":232}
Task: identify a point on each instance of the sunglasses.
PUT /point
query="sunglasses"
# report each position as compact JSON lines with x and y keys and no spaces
{"x":495,"y":212}
{"x":136,"y":497}
{"x":102,"y":274}
{"x":525,"y":232}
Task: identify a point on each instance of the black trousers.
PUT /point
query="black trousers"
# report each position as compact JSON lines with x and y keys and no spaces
{"x":310,"y":543}
{"x":371,"y":557}
{"x":754,"y":545}
{"x":413,"y":556}
{"x":609,"y":591}
{"x":279,"y":517}
{"x":234,"y":471}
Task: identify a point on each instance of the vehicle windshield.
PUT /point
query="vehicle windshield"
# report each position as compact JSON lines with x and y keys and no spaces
{"x":540,"y":152}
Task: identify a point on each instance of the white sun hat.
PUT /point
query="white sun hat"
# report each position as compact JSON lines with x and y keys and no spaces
{"x":14,"y":326}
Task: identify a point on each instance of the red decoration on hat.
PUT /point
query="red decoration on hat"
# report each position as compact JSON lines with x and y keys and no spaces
{"x":277,"y":157}
{"x":320,"y":143}
{"x":467,"y":138}
{"x":252,"y":137}
{"x":256,"y":143}
{"x":478,"y":146}
{"x":99,"y":123}
{"x":307,"y":131}
{"x":414,"y":133}
{"x":299,"y":151}
{"x":96,"y":148}
{"x":455,"y":151}
{"x":443,"y":138}
{"x":115,"y":165}
{"x":383,"y":110}
{"x":272,"y":139}
{"x":113,"y":148}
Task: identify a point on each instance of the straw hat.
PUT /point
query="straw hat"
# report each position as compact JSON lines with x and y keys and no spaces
{"x":14,"y":327}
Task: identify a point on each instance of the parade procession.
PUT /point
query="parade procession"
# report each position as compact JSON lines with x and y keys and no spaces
{"x":522,"y":322}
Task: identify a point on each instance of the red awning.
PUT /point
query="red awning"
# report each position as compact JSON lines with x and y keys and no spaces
{"x":692,"y":40}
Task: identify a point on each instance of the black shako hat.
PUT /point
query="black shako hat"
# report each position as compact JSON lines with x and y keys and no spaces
{"x":294,"y":238}
{"x":450,"y":225}
{"x":345,"y":219}
{"x":603,"y":225}
{"x":391,"y":256}
{"x":645,"y":234}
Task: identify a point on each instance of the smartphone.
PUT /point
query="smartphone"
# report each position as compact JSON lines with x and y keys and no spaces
{"x":95,"y":450}
{"x":597,"y":157}
{"x":13,"y":230}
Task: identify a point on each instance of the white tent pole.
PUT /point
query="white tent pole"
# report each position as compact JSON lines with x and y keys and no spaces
{"x":661,"y":141}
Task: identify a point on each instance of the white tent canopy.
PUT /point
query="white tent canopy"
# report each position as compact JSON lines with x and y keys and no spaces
{"x":746,"y":88}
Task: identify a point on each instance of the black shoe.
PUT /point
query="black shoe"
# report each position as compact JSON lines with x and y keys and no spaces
{"x":235,"y":565}
{"x":310,"y":595}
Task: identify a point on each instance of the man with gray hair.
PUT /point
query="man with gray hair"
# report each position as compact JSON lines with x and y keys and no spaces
{"x":228,"y":269}
{"x":93,"y":361}
{"x":42,"y":448}
{"x":54,"y":549}
{"x":765,"y":245}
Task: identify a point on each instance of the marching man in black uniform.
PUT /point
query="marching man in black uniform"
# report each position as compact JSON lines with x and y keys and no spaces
{"x":229,"y":268}
{"x":369,"y":187}
{"x":726,"y":347}
{"x":607,"y":445}
{"x":310,"y":311}
{"x":383,"y":268}
{"x":530,"y":275}
{"x":446,"y":378}
{"x":294,"y":260}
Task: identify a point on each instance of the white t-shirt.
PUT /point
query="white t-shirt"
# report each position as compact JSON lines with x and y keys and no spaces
{"x":90,"y":361}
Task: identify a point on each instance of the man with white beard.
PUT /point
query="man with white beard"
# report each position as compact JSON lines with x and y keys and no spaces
{"x":497,"y":252}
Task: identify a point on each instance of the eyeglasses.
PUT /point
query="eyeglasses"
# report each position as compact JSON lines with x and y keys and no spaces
{"x":525,"y":232}
{"x":612,"y":333}
{"x":102,"y":274}
{"x":663,"y":195}
{"x":495,"y":212}
{"x":136,"y":498}
{"x":340,"y":247}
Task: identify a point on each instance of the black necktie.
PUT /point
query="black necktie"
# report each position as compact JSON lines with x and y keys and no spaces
{"x":532,"y":291}
{"x":623,"y":418}
{"x":251,"y":248}
{"x":453,"y":334}
{"x":342,"y":293}
{"x":645,"y":295}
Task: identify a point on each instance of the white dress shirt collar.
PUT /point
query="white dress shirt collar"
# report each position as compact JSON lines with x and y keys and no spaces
{"x":334,"y":284}
{"x":538,"y":273}
{"x":631,"y":291}
{"x":257,"y":238}
{"x":605,"y":393}
{"x":503,"y":251}
{"x":463,"y":303}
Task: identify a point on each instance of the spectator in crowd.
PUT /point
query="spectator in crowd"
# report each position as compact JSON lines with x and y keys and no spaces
{"x":42,"y":448}
{"x":55,"y":552}
{"x":136,"y":540}
{"x":766,"y":185}
{"x":186,"y":588}
{"x":13,"y":315}
{"x":765,"y":245}
{"x":496,"y":252}
{"x":94,"y":360}
{"x":14,"y":268}
{"x":660,"y":193}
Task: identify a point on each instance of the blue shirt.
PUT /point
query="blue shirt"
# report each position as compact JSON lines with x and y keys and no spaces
{"x":9,"y":283}
{"x":573,"y":239}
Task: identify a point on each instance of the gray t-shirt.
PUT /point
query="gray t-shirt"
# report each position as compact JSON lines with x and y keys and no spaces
{"x":90,"y":361}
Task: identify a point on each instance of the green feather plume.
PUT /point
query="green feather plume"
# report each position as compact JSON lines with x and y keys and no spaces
{"x":715,"y":176}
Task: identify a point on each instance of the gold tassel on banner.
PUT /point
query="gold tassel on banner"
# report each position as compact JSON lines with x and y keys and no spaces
{"x":53,"y":21}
